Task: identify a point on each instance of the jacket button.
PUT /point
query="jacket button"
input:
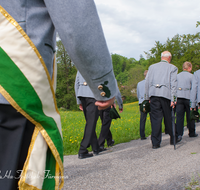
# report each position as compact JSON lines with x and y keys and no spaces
{"x":103,"y":93}
{"x":85,"y":83}
{"x":100,"y":87}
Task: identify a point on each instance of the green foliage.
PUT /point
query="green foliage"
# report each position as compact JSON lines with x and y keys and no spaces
{"x":129,"y":89}
{"x":66,"y":73}
{"x":128,"y":73}
{"x":182,"y":47}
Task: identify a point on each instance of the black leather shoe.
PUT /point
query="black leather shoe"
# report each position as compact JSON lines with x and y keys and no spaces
{"x":194,"y":135}
{"x":155,"y":146}
{"x":178,"y":139}
{"x":101,"y":149}
{"x":96,"y":152}
{"x":85,"y":155}
{"x":112,"y":143}
{"x":143,"y":138}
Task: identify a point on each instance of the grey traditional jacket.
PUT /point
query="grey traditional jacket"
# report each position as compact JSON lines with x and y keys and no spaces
{"x":83,"y":90}
{"x":184,"y":84}
{"x":161,"y":81}
{"x":141,"y":91}
{"x":195,"y":91}
{"x":80,"y":30}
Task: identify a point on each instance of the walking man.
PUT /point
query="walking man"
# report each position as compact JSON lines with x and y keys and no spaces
{"x":143,"y":115}
{"x":160,"y":89}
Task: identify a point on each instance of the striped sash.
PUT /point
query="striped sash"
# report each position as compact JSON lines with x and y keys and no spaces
{"x":27,"y":86}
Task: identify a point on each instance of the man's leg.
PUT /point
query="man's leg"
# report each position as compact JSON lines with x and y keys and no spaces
{"x":180,"y":111}
{"x":15,"y":137}
{"x":91,"y":117}
{"x":143,"y":117}
{"x":167,"y":112}
{"x":156,"y":120}
{"x":105,"y":127}
{"x":110,"y":141}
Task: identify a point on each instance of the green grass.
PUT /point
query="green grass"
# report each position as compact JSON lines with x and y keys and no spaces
{"x":194,"y":183}
{"x":123,"y":130}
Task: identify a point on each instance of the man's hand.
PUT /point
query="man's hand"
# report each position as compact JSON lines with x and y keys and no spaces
{"x":173,"y":104}
{"x":102,"y":105}
{"x":120,"y":110}
{"x":81,"y":107}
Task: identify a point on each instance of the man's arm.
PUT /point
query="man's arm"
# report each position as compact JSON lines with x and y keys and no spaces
{"x":173,"y":87}
{"x":80,"y":30}
{"x":76,"y":87}
{"x":146,"y":94}
{"x":193,"y":93}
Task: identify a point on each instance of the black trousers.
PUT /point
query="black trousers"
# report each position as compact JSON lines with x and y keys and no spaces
{"x":105,"y":127}
{"x":143,"y":117}
{"x":182,"y":107}
{"x":15,"y":137}
{"x":91,"y":116}
{"x":160,"y":107}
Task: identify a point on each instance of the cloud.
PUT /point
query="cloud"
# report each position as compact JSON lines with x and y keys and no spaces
{"x":132,"y":27}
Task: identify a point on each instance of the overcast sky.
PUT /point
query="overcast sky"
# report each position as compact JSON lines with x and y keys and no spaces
{"x":132,"y":26}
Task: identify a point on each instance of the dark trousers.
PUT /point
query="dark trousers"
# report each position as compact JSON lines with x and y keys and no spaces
{"x":143,"y":117}
{"x":15,"y":137}
{"x":105,"y":127}
{"x":91,"y":117}
{"x":160,"y":107}
{"x":182,"y":107}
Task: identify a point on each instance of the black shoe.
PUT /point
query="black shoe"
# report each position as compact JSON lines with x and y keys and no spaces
{"x":143,"y":138}
{"x":101,"y":149}
{"x":155,"y":146}
{"x":178,"y":139}
{"x":96,"y":152}
{"x":84,"y":155}
{"x":112,"y":143}
{"x":194,"y":135}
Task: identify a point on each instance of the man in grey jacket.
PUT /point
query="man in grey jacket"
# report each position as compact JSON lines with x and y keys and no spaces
{"x":184,"y":86}
{"x":27,"y":42}
{"x":160,"y":89}
{"x":143,"y":115}
{"x":86,"y":101}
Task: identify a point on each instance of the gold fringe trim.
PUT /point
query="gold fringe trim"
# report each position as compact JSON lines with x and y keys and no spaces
{"x":57,"y":174}
{"x":40,"y":128}
{"x":25,"y":186}
{"x":25,"y":167}
{"x":19,"y":28}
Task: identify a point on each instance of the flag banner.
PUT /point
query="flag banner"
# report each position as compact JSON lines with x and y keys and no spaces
{"x":27,"y":86}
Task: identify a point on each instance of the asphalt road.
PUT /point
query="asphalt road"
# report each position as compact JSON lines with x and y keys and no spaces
{"x":136,"y":166}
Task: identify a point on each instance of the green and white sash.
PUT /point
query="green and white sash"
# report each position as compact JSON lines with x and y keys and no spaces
{"x":27,"y":86}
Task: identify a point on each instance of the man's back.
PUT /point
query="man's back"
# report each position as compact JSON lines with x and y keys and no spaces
{"x":161,"y":80}
{"x":184,"y":84}
{"x":141,"y":91}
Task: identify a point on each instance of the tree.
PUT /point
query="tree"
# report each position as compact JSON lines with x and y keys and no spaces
{"x":66,"y":74}
{"x":182,"y":47}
